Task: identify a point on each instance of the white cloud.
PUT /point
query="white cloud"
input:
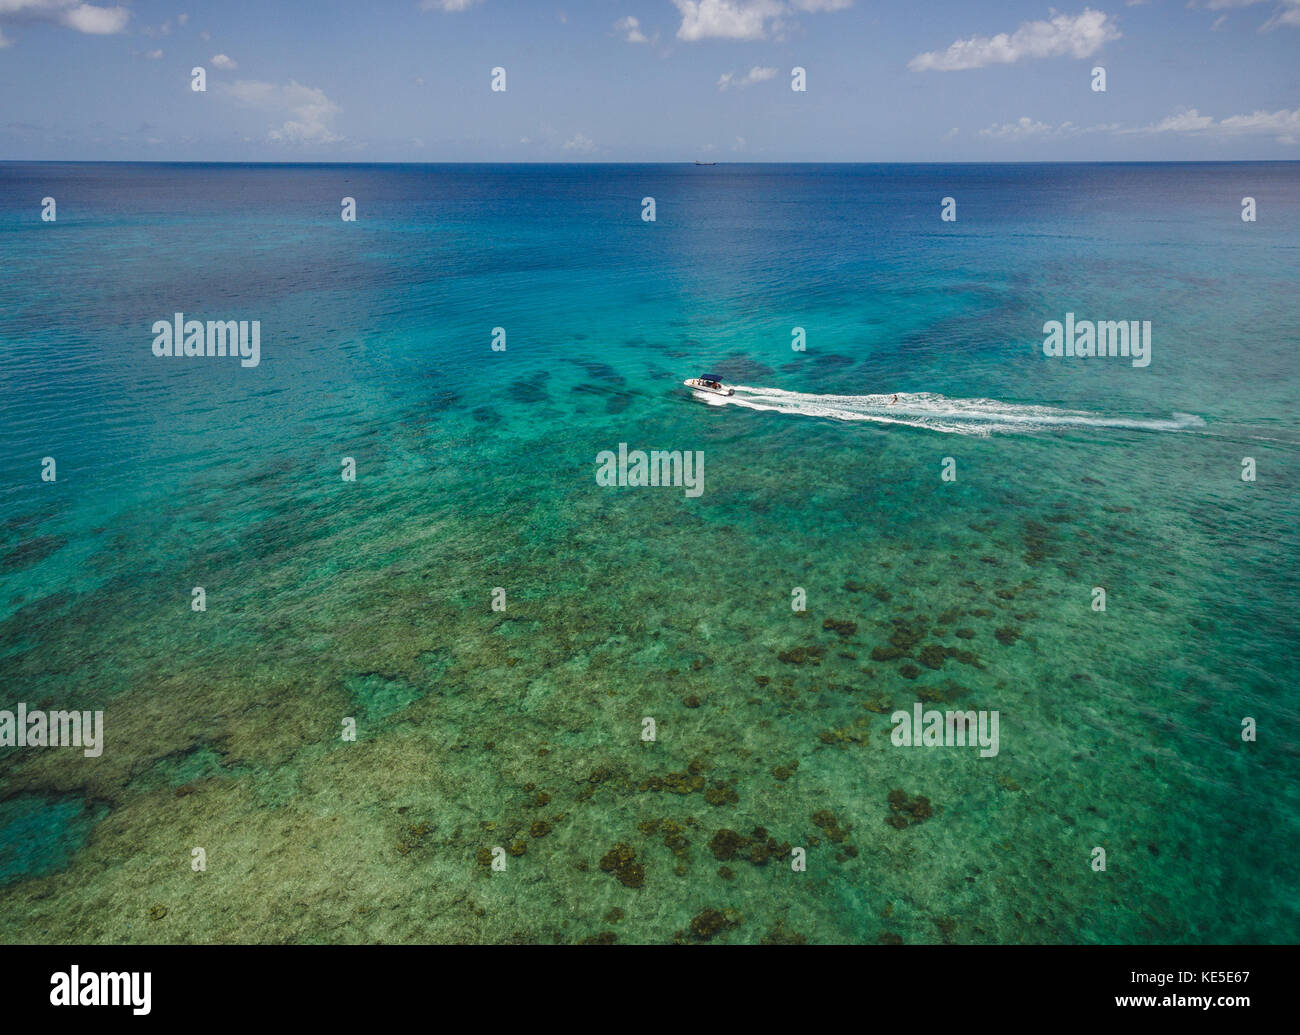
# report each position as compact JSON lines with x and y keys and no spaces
{"x":154,"y":55}
{"x":726,"y":19}
{"x":630,"y":29}
{"x":1025,"y":128}
{"x":309,"y":114}
{"x":1019,"y":130}
{"x":744,"y":19}
{"x":72,"y":14}
{"x":448,"y":5}
{"x":1186,"y":121}
{"x":96,"y":21}
{"x":1284,"y":125}
{"x":580,"y":142}
{"x":1077,"y":36}
{"x":181,"y":19}
{"x":727,"y":80}
{"x":226,"y":64}
{"x":1288,"y":14}
{"x":1284,"y":122}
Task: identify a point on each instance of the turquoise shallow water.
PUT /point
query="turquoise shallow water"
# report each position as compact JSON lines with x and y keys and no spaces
{"x":522,"y":729}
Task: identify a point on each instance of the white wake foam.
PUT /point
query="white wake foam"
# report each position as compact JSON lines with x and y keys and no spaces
{"x":940,"y":413}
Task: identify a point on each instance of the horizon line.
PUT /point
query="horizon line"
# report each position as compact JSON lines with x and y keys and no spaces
{"x":686,"y":162}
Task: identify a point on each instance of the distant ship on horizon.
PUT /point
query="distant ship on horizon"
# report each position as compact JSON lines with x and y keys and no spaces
{"x":698,"y":162}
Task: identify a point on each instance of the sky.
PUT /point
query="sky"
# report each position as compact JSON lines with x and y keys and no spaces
{"x":649,"y":80}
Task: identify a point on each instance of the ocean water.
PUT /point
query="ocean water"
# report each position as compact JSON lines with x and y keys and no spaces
{"x":523,"y":729}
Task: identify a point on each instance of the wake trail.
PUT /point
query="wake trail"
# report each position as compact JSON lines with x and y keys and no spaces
{"x":941,"y":413}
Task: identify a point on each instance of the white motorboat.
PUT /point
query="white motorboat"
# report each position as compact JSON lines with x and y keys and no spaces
{"x":710,"y":383}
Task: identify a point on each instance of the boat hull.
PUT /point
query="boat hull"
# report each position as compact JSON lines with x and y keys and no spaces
{"x":697,"y":387}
